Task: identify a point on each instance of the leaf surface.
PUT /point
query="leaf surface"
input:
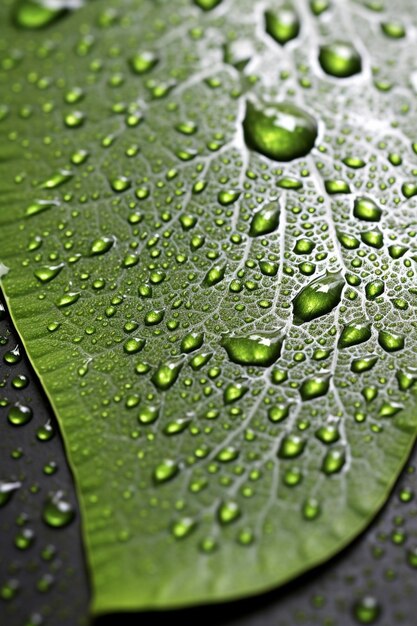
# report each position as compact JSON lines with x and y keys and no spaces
{"x":208,"y":220}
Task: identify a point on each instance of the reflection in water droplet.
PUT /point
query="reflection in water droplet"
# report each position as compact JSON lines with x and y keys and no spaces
{"x":282,"y":132}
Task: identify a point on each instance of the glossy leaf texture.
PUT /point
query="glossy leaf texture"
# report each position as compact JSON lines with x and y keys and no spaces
{"x":207,"y":233}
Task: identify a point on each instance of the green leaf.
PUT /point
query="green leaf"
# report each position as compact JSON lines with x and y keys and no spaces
{"x":208,"y":231}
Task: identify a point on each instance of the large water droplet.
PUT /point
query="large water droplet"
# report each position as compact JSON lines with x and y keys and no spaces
{"x":282,"y":132}
{"x":291,"y":447}
{"x":318,"y":298}
{"x":258,"y":349}
{"x":314,"y":387}
{"x":340,"y":59}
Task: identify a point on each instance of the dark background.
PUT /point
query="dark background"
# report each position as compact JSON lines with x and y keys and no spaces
{"x":47,"y":582}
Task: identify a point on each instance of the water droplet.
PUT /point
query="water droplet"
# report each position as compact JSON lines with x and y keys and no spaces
{"x":177,"y":426}
{"x":336,"y":185}
{"x":314,"y":387}
{"x":226,"y":198}
{"x":334,"y":461}
{"x":373,"y":238}
{"x":391,"y":342}
{"x":75,"y":119}
{"x":367,"y":210}
{"x":366,"y":610}
{"x":228,"y":512}
{"x":7,"y":490}
{"x":282,"y":25}
{"x":311,"y":509}
{"x":282,"y":132}
{"x":340,"y":59}
{"x":32,"y":15}
{"x":101,"y":245}
{"x":412,"y":557}
{"x":354,"y":333}
{"x":148,"y":414}
{"x":20,"y":414}
{"x":278,"y":412}
{"x":24,"y":539}
{"x":48,"y":272}
{"x":12,"y":357}
{"x":234,"y":392}
{"x":133,"y":345}
{"x":120,"y":183}
{"x":67,"y":299}
{"x":318,"y":298}
{"x":165,"y":471}
{"x":227,"y":455}
{"x":183,"y":527}
{"x":207,"y":5}
{"x":265,"y":220}
{"x":291,"y":447}
{"x":328,"y":434}
{"x":364,"y":364}
{"x":192,"y":342}
{"x":143,"y":62}
{"x":39,"y":207}
{"x":258,"y":349}
{"x":394,"y":30}
{"x":374,"y":289}
{"x":166,"y":374}
{"x":58,"y":512}
{"x":45,"y":432}
{"x":56,"y":180}
{"x":215,"y":275}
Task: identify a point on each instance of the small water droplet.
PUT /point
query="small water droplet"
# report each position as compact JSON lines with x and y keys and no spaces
{"x":234,"y":392}
{"x":56,"y":180}
{"x":183,"y":527}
